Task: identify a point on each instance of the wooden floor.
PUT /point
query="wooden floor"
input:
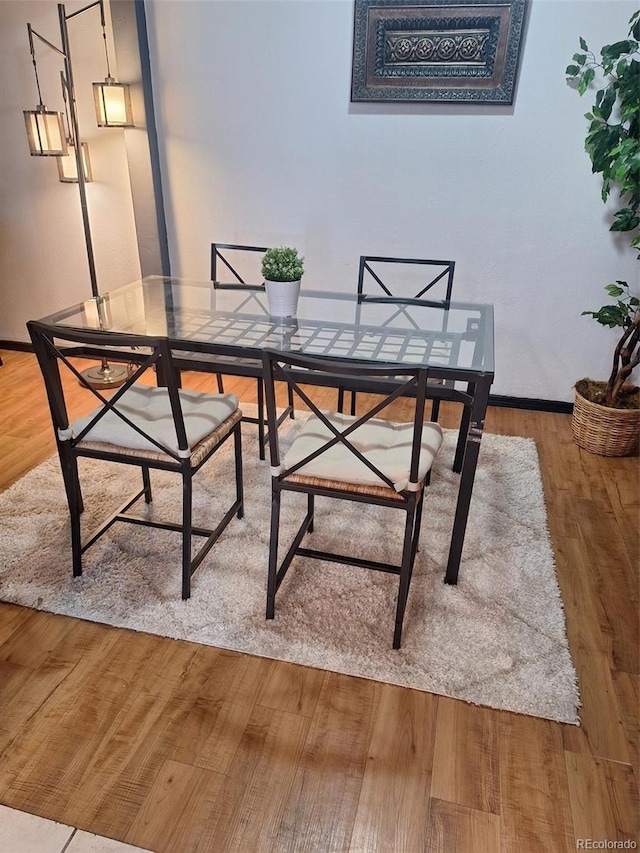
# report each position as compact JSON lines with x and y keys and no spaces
{"x":178,"y":747}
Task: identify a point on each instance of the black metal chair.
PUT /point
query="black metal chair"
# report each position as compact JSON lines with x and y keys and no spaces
{"x":149,"y":427}
{"x":383,"y":279}
{"x":364,"y":459}
{"x":240,"y":262}
{"x":434,"y":278}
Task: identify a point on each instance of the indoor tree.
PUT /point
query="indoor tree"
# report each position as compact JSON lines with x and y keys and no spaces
{"x":613,"y":145}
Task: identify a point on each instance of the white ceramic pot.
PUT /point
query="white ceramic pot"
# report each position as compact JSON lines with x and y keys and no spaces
{"x":282,"y":297}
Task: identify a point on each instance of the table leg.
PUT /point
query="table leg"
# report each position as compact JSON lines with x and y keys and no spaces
{"x":161,"y":379}
{"x":472,"y":449}
{"x":463,"y":431}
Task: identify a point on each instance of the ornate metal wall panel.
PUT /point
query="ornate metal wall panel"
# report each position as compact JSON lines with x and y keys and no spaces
{"x":436,"y":50}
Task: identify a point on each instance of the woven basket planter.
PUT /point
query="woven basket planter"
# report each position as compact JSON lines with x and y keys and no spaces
{"x":605,"y":431}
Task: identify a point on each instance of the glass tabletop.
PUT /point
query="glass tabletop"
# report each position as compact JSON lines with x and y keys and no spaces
{"x":455,"y":337}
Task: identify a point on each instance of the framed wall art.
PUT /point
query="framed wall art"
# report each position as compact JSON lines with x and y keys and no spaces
{"x":451,"y":51}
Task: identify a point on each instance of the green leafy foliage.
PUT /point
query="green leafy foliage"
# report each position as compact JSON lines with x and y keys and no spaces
{"x":613,"y":145}
{"x":613,"y":137}
{"x":620,"y":313}
{"x":282,"y":264}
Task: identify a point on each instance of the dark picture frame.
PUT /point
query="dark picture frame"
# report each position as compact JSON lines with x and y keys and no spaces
{"x":452,"y":51}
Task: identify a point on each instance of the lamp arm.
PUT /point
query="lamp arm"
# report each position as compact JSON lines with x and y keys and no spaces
{"x":90,"y":6}
{"x":103,"y":24}
{"x":35,"y":33}
{"x":31,"y":33}
{"x":66,"y":95}
{"x":73,"y":121}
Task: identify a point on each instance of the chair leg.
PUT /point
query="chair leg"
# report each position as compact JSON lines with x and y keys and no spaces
{"x":405,"y":574}
{"x":310,"y":510}
{"x":220,"y":383}
{"x":435,"y":410}
{"x":416,"y":530}
{"x":261,"y":440}
{"x":239,"y":481}
{"x":76,"y":486}
{"x":186,"y":534}
{"x":69,"y":466}
{"x":341,"y":401}
{"x":146,"y":482}
{"x":291,"y":401}
{"x":273,"y":552}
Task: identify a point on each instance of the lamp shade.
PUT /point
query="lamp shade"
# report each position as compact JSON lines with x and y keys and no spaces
{"x":68,"y":167}
{"x":113,"y":104}
{"x":45,"y":132}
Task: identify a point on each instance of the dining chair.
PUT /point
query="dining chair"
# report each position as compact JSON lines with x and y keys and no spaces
{"x":398,"y":280}
{"x":366,"y":459}
{"x":242,"y":264}
{"x":381,"y":278}
{"x":164,"y":428}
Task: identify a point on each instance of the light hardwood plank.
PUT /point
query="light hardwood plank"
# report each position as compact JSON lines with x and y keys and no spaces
{"x":533,"y":771}
{"x":601,"y":732}
{"x":210,"y":734}
{"x":397,"y":779}
{"x":627,"y":688}
{"x":465,"y":764}
{"x":151,"y":732}
{"x":174,"y":813}
{"x":38,"y":635}
{"x":248,"y":811}
{"x":604,"y":801}
{"x":454,"y":827}
{"x":616,"y":582}
{"x":292,"y":688}
{"x":11,"y":618}
{"x":320,"y":811}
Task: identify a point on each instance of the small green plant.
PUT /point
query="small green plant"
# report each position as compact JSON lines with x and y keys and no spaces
{"x":282,"y":264}
{"x":613,"y":145}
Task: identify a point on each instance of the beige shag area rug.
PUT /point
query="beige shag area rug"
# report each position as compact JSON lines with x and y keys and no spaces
{"x":497,"y":638}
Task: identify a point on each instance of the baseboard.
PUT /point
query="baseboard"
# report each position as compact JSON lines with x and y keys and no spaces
{"x":529,"y":403}
{"x":20,"y":346}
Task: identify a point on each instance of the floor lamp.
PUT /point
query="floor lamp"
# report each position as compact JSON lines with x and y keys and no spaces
{"x":49,"y":137}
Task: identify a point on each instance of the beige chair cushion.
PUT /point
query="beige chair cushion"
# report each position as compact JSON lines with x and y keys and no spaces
{"x":149,"y":408}
{"x":386,"y":444}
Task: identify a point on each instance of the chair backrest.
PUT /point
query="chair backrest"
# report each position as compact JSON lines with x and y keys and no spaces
{"x":236,"y":265}
{"x":281,"y":367}
{"x":405,"y":278}
{"x":59,"y":352}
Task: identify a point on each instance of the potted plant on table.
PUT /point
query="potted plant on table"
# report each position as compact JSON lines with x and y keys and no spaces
{"x":282,"y":268}
{"x":606,"y":415}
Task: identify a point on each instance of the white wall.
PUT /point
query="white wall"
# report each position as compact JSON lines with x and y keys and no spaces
{"x":262,"y":145}
{"x":43,"y":259}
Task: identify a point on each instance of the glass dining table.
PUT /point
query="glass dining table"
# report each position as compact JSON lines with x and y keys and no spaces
{"x":454,"y":340}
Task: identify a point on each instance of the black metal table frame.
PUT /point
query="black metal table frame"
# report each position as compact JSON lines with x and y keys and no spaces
{"x":475,"y":399}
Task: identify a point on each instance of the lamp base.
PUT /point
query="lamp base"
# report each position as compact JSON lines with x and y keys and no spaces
{"x":106,"y":375}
